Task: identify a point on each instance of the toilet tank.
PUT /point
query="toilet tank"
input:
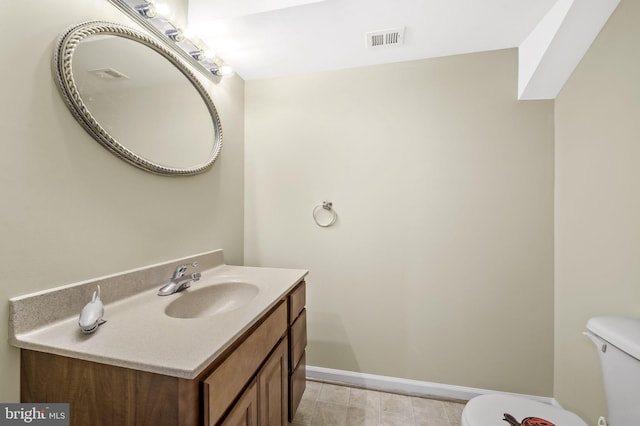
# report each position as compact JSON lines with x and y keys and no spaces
{"x":618,"y":342}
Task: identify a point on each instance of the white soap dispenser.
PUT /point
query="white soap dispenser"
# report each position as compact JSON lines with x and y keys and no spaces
{"x":91,"y":315}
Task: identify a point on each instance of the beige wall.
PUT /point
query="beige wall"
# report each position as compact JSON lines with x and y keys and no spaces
{"x":70,"y":210}
{"x":440,"y":267}
{"x":597,"y":204}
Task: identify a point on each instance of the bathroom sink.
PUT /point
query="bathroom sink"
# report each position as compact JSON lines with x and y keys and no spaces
{"x":211,"y":300}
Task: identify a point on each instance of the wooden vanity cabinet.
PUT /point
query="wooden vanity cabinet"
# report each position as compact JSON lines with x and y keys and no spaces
{"x":256,"y":381}
{"x":105,"y":395}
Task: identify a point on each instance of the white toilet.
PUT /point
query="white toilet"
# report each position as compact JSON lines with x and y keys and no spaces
{"x":618,"y":342}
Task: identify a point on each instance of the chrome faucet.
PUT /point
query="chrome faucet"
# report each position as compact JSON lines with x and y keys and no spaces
{"x":179,"y":281}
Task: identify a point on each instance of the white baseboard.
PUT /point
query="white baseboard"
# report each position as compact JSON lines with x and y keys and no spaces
{"x":406,"y":386}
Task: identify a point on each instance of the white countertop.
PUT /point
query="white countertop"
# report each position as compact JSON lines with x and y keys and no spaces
{"x":139,"y":335}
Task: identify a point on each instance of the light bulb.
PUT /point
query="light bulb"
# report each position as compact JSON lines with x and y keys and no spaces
{"x":163,"y":10}
{"x":189,"y":32}
{"x":222,"y":70}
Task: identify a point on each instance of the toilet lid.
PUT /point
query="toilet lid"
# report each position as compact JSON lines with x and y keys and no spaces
{"x":493,"y":409}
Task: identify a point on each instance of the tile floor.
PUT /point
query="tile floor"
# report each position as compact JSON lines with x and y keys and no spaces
{"x":326,"y":404}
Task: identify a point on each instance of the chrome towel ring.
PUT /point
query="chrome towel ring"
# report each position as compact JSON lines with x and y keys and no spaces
{"x":328,"y":206}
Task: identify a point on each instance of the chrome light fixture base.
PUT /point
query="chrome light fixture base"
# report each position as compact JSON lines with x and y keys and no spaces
{"x":145,"y":14}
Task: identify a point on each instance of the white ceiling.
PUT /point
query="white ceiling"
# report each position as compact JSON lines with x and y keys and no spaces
{"x":274,"y":38}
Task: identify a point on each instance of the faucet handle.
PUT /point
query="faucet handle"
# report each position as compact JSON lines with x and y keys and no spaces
{"x":180,"y":270}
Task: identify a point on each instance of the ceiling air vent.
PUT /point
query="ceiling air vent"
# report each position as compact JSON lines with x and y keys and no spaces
{"x":392,"y":37}
{"x":108,"y":74}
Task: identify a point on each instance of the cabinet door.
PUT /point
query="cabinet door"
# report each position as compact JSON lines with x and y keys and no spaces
{"x":245,"y":412}
{"x":297,"y":385}
{"x":273,"y":388}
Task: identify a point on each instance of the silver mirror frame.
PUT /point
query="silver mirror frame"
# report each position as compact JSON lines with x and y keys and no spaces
{"x":63,"y":76}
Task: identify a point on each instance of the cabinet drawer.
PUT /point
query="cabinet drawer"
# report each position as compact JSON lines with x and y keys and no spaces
{"x":297,"y":300}
{"x":298,"y":338}
{"x":226,"y":382}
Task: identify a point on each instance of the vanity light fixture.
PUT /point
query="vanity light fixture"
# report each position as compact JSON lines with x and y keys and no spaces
{"x":147,"y":10}
{"x":156,"y":19}
{"x":197,"y":55}
{"x":175,"y":35}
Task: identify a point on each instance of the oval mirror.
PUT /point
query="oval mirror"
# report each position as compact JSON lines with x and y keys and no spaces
{"x":137,"y":99}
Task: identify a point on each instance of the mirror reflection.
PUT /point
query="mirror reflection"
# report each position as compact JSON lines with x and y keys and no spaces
{"x":143,"y":101}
